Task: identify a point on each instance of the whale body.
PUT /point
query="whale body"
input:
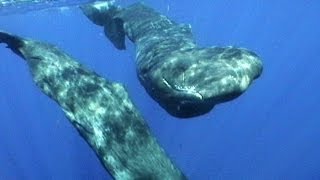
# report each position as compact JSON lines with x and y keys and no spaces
{"x":185,"y":79}
{"x":100,"y":110}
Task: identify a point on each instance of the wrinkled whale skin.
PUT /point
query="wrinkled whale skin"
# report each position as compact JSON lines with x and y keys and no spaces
{"x":185,"y":79}
{"x":101,"y":111}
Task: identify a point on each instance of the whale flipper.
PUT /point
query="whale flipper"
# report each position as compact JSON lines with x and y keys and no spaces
{"x":115,"y":33}
{"x":99,"y":109}
{"x":103,"y":14}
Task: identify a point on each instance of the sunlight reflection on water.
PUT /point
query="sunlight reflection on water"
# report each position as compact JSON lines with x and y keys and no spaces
{"x":22,"y":6}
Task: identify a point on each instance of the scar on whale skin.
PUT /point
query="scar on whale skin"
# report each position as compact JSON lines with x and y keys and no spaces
{"x":100,"y":110}
{"x":185,"y":79}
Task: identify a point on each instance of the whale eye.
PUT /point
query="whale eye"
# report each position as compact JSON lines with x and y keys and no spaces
{"x":34,"y":60}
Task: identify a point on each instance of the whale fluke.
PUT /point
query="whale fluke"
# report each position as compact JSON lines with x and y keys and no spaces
{"x":13,"y":42}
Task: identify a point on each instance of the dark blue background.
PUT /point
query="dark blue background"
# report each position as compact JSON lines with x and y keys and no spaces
{"x":270,"y":132}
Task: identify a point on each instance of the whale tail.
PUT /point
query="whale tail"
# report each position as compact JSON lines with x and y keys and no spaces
{"x":13,"y":42}
{"x":103,"y":13}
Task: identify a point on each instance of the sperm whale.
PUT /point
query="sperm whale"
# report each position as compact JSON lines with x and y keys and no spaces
{"x":185,"y":79}
{"x":99,"y":109}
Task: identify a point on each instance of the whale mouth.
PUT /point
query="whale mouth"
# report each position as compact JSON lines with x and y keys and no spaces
{"x":183,"y":92}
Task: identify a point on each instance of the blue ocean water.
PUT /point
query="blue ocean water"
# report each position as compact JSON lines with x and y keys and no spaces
{"x":270,"y":132}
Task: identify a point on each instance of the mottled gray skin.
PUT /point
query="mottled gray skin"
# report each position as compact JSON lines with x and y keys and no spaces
{"x":100,"y":110}
{"x":185,"y":79}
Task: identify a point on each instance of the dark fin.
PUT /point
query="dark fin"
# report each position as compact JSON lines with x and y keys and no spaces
{"x":13,"y":42}
{"x":115,"y":33}
{"x":105,"y":14}
{"x":93,"y":14}
{"x":100,"y":13}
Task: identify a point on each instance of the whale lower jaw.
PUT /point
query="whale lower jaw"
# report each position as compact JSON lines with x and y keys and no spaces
{"x":185,"y":104}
